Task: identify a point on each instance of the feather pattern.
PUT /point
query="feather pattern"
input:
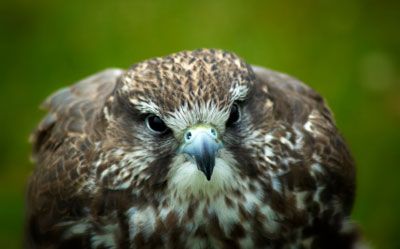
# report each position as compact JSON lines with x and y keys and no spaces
{"x":284,"y":177}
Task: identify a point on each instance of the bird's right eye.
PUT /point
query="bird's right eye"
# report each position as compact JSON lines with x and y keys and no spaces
{"x":156,"y":124}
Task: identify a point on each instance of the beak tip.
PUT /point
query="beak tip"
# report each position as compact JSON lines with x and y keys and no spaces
{"x":207,"y":174}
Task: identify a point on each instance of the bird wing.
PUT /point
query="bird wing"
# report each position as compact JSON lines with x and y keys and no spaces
{"x":72,"y":107}
{"x":292,"y":99}
{"x":297,"y":105}
{"x":286,"y":83}
{"x":62,"y":150}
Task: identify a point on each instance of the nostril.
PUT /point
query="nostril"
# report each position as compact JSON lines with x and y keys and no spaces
{"x":188,"y":135}
{"x":213,"y":132}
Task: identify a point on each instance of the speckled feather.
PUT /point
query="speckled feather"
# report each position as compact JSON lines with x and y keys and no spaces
{"x":284,"y":179}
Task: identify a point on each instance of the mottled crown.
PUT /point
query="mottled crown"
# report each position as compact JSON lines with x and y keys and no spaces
{"x":189,"y":79}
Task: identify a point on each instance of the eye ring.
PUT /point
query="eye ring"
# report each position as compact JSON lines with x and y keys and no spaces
{"x":234,"y":115}
{"x":156,"y":124}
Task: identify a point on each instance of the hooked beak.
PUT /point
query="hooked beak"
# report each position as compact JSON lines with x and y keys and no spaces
{"x":202,"y":144}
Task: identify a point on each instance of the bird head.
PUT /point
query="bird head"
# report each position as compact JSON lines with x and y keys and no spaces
{"x":183,"y":114}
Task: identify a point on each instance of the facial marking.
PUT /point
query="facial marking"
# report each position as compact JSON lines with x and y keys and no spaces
{"x":208,"y":113}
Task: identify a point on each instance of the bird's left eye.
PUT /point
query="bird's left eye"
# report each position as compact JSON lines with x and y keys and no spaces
{"x":234,"y":115}
{"x":156,"y":124}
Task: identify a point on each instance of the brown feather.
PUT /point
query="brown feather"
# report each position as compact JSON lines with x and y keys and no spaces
{"x":284,"y":177}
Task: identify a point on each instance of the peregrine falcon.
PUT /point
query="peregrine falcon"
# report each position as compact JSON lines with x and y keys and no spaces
{"x":197,"y":149}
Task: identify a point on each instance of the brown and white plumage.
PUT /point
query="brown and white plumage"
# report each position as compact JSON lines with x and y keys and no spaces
{"x":194,"y":150}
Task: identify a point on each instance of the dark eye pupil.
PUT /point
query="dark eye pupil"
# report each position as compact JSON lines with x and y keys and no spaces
{"x":156,"y":124}
{"x":234,"y":115}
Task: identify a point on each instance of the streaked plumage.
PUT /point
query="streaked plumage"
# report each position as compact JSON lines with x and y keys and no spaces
{"x":194,"y":150}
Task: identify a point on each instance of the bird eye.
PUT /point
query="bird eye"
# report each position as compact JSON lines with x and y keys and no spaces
{"x":234,"y":116}
{"x":156,"y":124}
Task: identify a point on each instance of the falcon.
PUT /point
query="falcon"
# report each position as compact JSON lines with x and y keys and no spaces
{"x":197,"y":149}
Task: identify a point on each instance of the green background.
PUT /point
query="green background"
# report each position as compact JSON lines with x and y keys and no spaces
{"x":348,"y":50}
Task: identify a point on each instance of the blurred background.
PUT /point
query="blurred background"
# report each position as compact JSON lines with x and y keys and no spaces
{"x":348,"y":50}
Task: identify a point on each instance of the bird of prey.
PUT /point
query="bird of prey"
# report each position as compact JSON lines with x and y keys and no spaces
{"x":197,"y":149}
